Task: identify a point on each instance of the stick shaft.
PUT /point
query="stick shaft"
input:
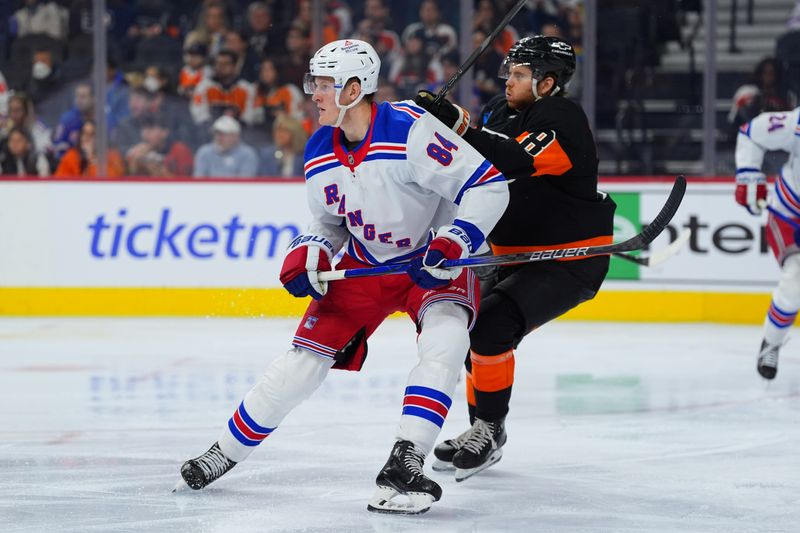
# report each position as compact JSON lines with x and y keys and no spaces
{"x":637,"y":242}
{"x":478,"y":51}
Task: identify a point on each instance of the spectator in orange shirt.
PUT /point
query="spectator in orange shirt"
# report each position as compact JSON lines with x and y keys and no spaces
{"x":274,"y":98}
{"x":195,"y":69}
{"x":224,"y":94}
{"x":81,"y":160}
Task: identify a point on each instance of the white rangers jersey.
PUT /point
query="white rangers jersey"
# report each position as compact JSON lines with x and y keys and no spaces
{"x":774,"y":131}
{"x":409,"y":175}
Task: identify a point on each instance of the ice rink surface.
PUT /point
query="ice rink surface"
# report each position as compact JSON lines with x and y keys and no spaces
{"x":614,"y":427}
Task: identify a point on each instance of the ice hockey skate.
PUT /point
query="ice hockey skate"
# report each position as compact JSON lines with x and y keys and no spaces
{"x":482,"y":449}
{"x":403,"y":488}
{"x":197,"y":473}
{"x":768,"y":360}
{"x":444,"y":452}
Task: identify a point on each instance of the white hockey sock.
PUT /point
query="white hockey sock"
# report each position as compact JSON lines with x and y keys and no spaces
{"x":785,"y":302}
{"x":288,"y":381}
{"x":442,"y":346}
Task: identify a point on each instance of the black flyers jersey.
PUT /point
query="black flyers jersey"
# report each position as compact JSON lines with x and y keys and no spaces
{"x":548,"y":152}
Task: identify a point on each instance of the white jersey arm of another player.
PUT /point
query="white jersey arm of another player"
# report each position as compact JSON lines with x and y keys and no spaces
{"x":768,"y":131}
{"x":444,"y":163}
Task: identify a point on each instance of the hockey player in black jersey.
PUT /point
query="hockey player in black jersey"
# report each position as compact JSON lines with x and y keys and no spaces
{"x":543,"y":144}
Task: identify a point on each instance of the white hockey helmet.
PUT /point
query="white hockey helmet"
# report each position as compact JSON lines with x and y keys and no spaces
{"x":342,"y":60}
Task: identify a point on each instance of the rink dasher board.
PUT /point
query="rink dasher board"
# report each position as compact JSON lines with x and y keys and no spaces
{"x":214,"y":248}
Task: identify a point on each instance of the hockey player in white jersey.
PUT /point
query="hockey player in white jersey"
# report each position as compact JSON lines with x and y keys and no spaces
{"x":767,"y":132}
{"x":378,"y":178}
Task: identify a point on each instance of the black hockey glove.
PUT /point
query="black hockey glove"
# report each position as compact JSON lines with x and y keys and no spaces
{"x":454,"y":117}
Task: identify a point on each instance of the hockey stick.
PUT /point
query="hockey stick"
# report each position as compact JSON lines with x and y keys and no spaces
{"x":477,"y":52}
{"x":637,"y":242}
{"x":658,"y":257}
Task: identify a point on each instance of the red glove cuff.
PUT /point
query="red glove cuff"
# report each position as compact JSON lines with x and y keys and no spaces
{"x":448,"y":247}
{"x":296,"y":263}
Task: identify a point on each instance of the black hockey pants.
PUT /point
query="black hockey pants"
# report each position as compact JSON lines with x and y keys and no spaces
{"x":516,"y":300}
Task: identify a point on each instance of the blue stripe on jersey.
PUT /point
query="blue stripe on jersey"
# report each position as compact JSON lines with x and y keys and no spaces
{"x":372,"y":157}
{"x":790,"y":202}
{"x":481,"y":170}
{"x":320,"y":143}
{"x":430,"y":416}
{"x":475,"y":235}
{"x":786,"y":203}
{"x":356,"y":250}
{"x":406,"y":257}
{"x":413,"y":108}
{"x":747,"y":169}
{"x":240,"y":436}
{"x":428,"y":392}
{"x":355,"y":245}
{"x":322,"y":168}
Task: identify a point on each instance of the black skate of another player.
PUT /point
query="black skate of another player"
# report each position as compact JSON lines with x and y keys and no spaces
{"x":402,"y":475}
{"x":482,"y":447}
{"x":444,"y":452}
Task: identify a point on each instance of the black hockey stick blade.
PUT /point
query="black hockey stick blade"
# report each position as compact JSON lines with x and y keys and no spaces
{"x":659,"y":256}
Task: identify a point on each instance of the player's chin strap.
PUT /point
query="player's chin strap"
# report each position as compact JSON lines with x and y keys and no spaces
{"x":343,"y":109}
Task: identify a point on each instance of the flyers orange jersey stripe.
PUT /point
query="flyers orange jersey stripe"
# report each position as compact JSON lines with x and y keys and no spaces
{"x":594,"y":241}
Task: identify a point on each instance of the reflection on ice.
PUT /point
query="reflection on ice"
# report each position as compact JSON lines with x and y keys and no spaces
{"x":623,"y":427}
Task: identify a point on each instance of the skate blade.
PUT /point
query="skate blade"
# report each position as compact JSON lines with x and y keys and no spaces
{"x":466,"y":473}
{"x":443,"y":466}
{"x":383,"y":501}
{"x":181,"y":486}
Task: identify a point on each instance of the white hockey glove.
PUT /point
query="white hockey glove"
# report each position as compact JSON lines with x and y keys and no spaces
{"x":751,"y":190}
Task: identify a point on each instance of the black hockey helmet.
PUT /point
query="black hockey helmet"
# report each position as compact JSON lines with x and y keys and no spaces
{"x":544,"y":55}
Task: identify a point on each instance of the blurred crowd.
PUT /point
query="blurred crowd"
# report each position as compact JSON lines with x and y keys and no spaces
{"x":774,"y":84}
{"x":212,"y":88}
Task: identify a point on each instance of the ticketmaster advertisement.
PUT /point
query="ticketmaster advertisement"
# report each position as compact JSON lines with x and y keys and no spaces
{"x":117,"y":234}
